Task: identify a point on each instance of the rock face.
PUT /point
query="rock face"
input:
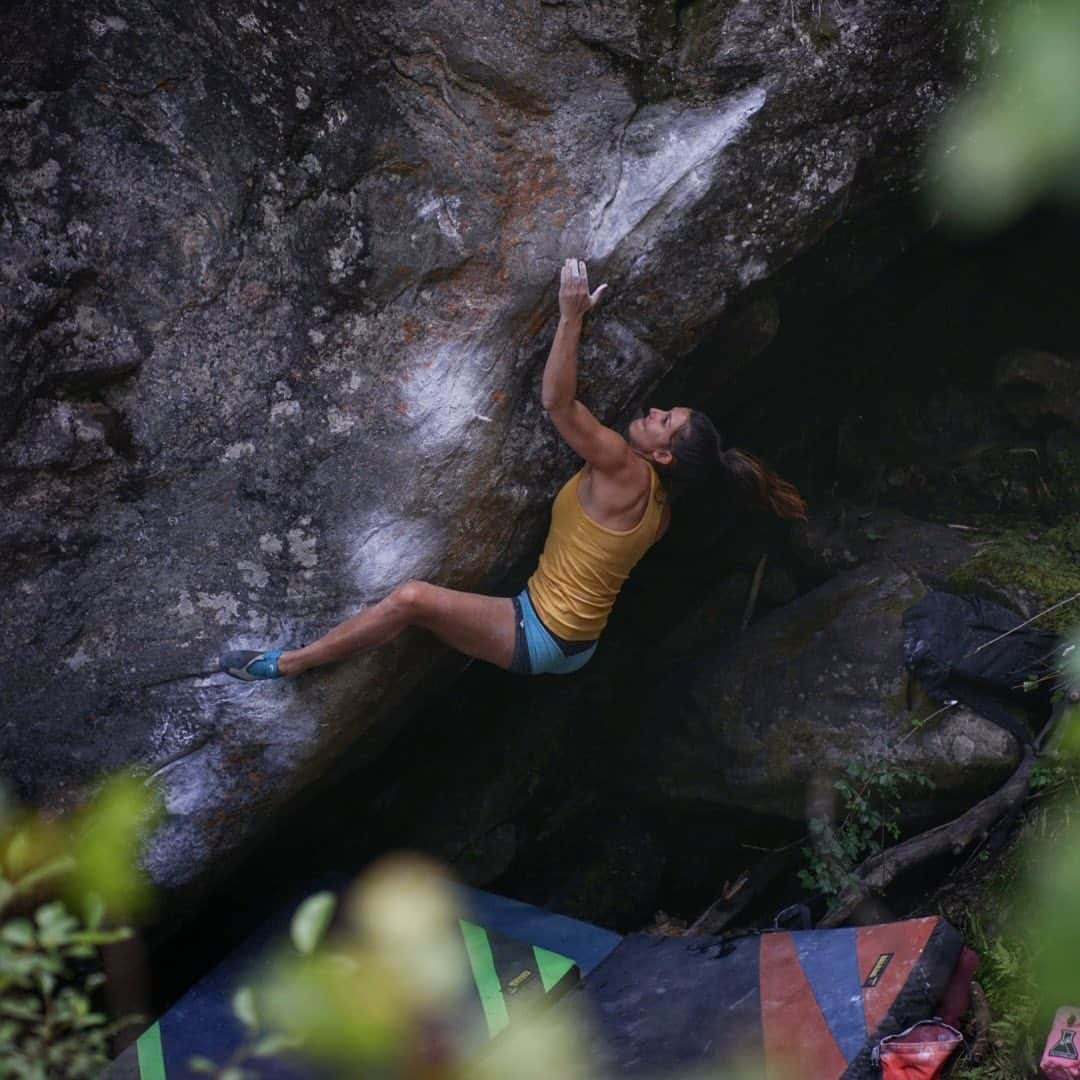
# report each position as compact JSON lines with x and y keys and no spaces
{"x":275,"y":289}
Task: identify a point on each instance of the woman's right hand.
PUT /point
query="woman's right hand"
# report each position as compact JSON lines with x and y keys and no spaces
{"x":575,"y":300}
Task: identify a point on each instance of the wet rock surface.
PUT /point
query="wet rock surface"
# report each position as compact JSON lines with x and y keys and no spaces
{"x":275,"y":289}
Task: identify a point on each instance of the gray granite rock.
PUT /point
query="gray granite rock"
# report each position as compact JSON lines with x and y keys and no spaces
{"x":276,"y":284}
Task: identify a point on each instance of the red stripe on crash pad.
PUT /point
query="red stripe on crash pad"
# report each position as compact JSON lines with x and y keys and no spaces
{"x":797,"y":1039}
{"x":906,"y":941}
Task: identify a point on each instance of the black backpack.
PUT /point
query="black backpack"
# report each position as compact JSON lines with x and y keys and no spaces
{"x":967,"y":649}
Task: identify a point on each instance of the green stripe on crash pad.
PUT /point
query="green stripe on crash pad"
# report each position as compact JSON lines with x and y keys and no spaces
{"x":552,"y":966}
{"x":485,"y":976}
{"x":151,"y":1059}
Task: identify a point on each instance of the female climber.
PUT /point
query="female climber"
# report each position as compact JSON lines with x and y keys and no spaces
{"x":602,"y":522}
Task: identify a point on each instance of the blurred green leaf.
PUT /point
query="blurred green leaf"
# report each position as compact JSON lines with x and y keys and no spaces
{"x":1053,"y":911}
{"x":57,"y":867}
{"x":1015,"y":138}
{"x":93,"y":911}
{"x":51,"y":915}
{"x":274,"y":1043}
{"x":34,"y":842}
{"x":21,"y":1008}
{"x":341,"y":1014}
{"x":18,"y":932}
{"x":1069,"y":745}
{"x":201,"y":1065}
{"x":106,"y":845}
{"x":243,"y":1007}
{"x":55,"y":924}
{"x":19,"y":855}
{"x":311,"y":920}
{"x":100,"y":937}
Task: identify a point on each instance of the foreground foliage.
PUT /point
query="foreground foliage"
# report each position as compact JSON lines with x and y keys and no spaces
{"x":1015,"y":137}
{"x":871,"y":795}
{"x":63,"y":885}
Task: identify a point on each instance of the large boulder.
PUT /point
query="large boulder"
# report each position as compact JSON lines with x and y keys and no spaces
{"x":768,"y":720}
{"x":275,"y":288}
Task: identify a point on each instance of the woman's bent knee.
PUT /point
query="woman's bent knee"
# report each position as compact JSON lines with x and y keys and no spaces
{"x":412,"y":597}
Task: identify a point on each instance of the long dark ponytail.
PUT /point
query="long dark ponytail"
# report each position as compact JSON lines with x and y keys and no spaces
{"x":698,"y":451}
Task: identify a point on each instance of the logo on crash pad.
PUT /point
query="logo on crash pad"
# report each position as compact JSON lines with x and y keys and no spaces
{"x":880,"y":964}
{"x":1065,"y":1046}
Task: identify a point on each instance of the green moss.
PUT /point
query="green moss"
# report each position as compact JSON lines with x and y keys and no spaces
{"x":1043,"y":562}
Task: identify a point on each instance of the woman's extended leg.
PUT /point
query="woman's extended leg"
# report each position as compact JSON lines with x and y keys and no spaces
{"x":479,"y":626}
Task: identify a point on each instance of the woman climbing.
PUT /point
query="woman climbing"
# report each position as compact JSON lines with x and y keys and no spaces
{"x":602,"y":522}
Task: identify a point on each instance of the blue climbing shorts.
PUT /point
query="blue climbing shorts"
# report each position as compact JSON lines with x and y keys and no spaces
{"x":537,"y":651}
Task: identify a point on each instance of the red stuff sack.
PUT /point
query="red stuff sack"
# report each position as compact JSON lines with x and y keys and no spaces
{"x":919,"y":1053}
{"x":1061,"y":1057}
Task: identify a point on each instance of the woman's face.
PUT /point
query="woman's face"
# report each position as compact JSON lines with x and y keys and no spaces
{"x":652,"y":434}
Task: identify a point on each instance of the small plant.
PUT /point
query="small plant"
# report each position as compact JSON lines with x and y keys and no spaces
{"x":870,"y":799}
{"x":49,"y":973}
{"x":50,"y":959}
{"x":1049,"y":775}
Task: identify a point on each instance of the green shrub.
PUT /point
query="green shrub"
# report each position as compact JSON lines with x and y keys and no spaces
{"x":63,"y":886}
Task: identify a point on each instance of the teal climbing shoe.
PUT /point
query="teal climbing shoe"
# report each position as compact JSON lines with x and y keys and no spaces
{"x":249,"y":666}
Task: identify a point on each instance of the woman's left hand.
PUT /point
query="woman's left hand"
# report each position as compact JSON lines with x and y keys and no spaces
{"x":575,"y":300}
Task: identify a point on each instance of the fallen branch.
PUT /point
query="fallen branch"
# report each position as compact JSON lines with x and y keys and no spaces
{"x":881,"y":869}
{"x":723,"y":911}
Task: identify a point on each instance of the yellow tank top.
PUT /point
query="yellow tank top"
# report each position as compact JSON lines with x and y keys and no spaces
{"x":584,"y":565}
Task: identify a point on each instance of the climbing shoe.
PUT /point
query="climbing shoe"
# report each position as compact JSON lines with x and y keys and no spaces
{"x":249,"y":666}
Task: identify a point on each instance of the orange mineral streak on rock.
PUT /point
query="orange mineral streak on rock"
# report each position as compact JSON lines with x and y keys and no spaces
{"x":536,"y":321}
{"x":533,"y":187}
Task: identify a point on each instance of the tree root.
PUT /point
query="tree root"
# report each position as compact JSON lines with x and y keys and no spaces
{"x":881,"y":869}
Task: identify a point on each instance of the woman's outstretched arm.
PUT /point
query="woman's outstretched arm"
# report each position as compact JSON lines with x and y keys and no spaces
{"x":602,"y":447}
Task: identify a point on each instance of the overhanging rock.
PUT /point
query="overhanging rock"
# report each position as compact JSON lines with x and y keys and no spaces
{"x":276,"y":285}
